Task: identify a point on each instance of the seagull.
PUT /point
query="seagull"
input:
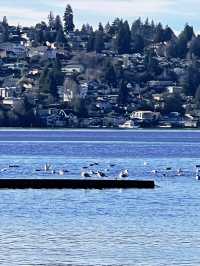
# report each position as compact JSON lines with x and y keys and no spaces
{"x":123,"y":174}
{"x":61,"y":172}
{"x":47,"y":167}
{"x":4,"y":169}
{"x":101,"y":174}
{"x":154,"y":172}
{"x":180,"y":172}
{"x":145,"y":163}
{"x":85,"y":174}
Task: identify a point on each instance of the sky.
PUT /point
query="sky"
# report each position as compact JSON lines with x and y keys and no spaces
{"x":175,"y":13}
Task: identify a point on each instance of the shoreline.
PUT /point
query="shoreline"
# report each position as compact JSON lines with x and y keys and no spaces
{"x":99,"y":129}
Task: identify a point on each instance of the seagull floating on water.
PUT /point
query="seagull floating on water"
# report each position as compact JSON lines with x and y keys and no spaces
{"x":47,"y":167}
{"x":61,"y":172}
{"x":124,"y":174}
{"x":85,"y":174}
{"x":101,"y":174}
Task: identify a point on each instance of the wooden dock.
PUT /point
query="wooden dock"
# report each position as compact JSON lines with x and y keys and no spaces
{"x":75,"y":184}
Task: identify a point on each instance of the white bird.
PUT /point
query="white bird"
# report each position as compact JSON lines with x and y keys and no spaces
{"x":197,"y":173}
{"x":47,"y":167}
{"x":101,"y":174}
{"x":123,"y":174}
{"x":180,"y":172}
{"x":61,"y":172}
{"x":4,"y":169}
{"x":145,"y":163}
{"x":154,"y":172}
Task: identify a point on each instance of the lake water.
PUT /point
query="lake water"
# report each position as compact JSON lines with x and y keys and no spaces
{"x":110,"y":227}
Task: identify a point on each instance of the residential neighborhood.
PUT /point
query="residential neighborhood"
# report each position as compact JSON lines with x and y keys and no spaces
{"x":56,"y":76}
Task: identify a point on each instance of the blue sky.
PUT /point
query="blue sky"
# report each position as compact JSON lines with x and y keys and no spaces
{"x":175,"y":13}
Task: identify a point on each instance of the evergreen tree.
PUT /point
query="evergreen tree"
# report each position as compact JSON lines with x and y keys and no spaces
{"x":115,"y":26}
{"x":107,"y":28}
{"x":171,"y":49}
{"x":173,"y":104}
{"x":191,"y":80}
{"x":99,"y":42}
{"x":123,"y":92}
{"x":168,"y":34}
{"x":187,"y":33}
{"x":41,"y":26}
{"x":101,"y":27}
{"x":38,"y":36}
{"x":90,"y":43}
{"x":83,"y":29}
{"x":58,"y":23}
{"x":5,"y":30}
{"x":136,"y":28}
{"x":89,"y":28}
{"x":110,"y":75}
{"x":123,"y":39}
{"x":68,"y":20}
{"x":51,"y":20}
{"x":159,"y":37}
{"x":195,"y":46}
{"x":60,"y":37}
{"x":138,"y":44}
{"x":51,"y":77}
{"x":181,"y":47}
{"x":5,"y":34}
{"x":5,"y":21}
{"x":151,"y":64}
{"x":197,"y":96}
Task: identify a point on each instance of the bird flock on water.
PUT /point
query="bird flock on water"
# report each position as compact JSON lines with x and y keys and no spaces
{"x":86,"y":171}
{"x":91,"y":171}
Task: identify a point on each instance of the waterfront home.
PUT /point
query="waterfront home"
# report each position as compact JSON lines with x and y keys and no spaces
{"x":190,"y":121}
{"x":159,"y":85}
{"x":7,"y":92}
{"x":70,"y":69}
{"x":174,"y":89}
{"x":11,"y":101}
{"x":17,"y":48}
{"x":145,"y":115}
{"x":173,"y":118}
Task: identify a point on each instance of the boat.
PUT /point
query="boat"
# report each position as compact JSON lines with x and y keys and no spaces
{"x":128,"y":124}
{"x":165,"y":125}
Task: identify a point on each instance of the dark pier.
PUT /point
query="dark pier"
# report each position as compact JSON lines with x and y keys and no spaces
{"x":75,"y":184}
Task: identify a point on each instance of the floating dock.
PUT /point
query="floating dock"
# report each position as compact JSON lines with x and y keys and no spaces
{"x":75,"y":184}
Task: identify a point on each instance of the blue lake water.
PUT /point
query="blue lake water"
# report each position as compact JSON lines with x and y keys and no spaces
{"x":110,"y":227}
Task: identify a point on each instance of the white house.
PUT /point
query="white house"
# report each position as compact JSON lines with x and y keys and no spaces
{"x":145,"y":115}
